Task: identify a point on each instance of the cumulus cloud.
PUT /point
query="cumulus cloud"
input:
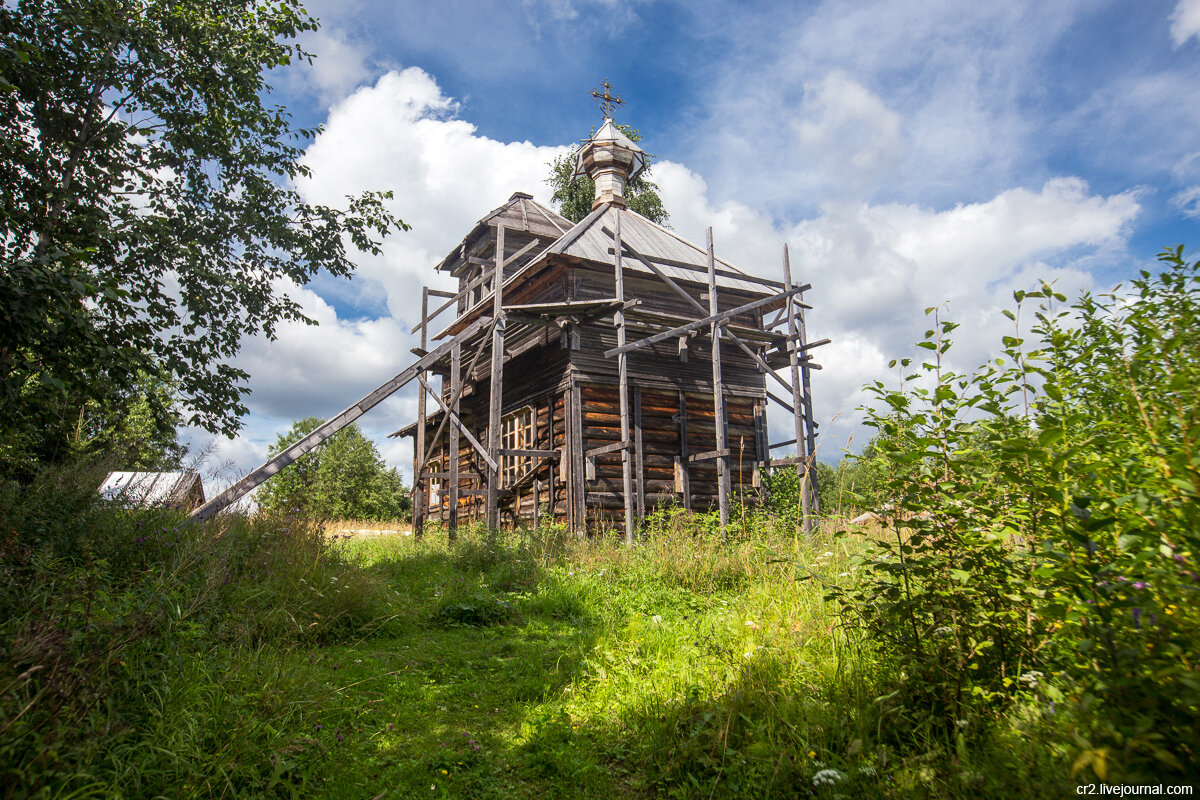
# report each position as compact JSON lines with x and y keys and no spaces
{"x":1185,"y":21}
{"x":873,"y":266}
{"x":400,"y":134}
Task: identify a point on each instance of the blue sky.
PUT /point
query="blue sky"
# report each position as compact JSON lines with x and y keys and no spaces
{"x":909,"y":153}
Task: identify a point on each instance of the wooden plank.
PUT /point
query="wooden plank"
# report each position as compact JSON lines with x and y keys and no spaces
{"x":535,"y":453}
{"x":683,"y":452}
{"x":479,"y":448}
{"x":452,"y":454}
{"x":606,"y":449}
{"x":578,"y":492}
{"x":418,"y":487}
{"x":436,"y":293}
{"x":437,"y":436}
{"x":335,"y":424}
{"x":712,"y":320}
{"x":718,"y":391}
{"x":794,"y":337}
{"x":623,"y":382}
{"x":778,"y":445}
{"x":709,"y":455}
{"x":732,"y":337}
{"x":725,"y":273}
{"x":492,"y":508}
{"x":639,"y":455}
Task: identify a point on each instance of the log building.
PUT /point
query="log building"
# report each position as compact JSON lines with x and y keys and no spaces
{"x":593,"y":391}
{"x":590,"y":371}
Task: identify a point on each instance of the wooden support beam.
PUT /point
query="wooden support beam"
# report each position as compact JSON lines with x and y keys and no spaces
{"x":606,"y":449}
{"x":725,"y":273}
{"x":801,"y":463}
{"x":794,"y":336}
{"x":623,"y":383}
{"x":452,"y":454}
{"x":778,"y":445}
{"x":534,"y":453}
{"x":709,"y":321}
{"x":639,"y":455}
{"x":709,"y":455}
{"x":418,"y":488}
{"x":335,"y":424}
{"x":458,"y":423}
{"x":786,"y":405}
{"x":763,"y":365}
{"x":718,"y":390}
{"x":436,"y":293}
{"x":497,"y":383}
{"x":437,"y":435}
{"x":577,"y":496}
{"x":682,"y":478}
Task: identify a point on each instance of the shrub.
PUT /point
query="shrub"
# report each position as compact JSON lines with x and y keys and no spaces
{"x":1045,"y":526}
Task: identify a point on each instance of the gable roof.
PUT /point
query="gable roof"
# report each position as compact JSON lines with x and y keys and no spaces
{"x":521,"y":213}
{"x":675,"y":256}
{"x":151,"y":488}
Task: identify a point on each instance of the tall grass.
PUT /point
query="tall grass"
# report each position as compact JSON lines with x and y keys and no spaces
{"x":144,"y":656}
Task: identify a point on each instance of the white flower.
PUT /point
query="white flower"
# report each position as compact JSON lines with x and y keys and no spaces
{"x":333,"y":580}
{"x":1030,"y":678}
{"x":827,"y":777}
{"x":961,"y":723}
{"x":656,"y":618}
{"x":827,"y":554}
{"x":942,"y":631}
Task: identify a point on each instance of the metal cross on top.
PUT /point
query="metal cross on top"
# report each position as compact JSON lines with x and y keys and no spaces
{"x":607,"y":101}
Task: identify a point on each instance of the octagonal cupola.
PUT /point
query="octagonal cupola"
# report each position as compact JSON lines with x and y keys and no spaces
{"x":611,"y":160}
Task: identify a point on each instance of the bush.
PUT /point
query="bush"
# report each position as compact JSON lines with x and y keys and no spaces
{"x":1047,"y":522}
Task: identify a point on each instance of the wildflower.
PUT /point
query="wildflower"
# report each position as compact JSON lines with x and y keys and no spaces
{"x":340,"y":737}
{"x":656,"y":619}
{"x":960,"y":723}
{"x":1137,"y":617}
{"x":812,"y":753}
{"x":827,"y":777}
{"x":1030,"y":678}
{"x":318,"y":726}
{"x":445,"y":773}
{"x":1141,"y":585}
{"x":1170,"y":610}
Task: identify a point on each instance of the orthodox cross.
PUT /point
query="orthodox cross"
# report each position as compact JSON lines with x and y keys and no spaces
{"x":607,"y":101}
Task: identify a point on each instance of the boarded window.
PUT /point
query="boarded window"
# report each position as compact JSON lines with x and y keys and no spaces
{"x":516,"y":433}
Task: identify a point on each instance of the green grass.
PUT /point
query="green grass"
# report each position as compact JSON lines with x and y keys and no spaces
{"x":256,"y":659}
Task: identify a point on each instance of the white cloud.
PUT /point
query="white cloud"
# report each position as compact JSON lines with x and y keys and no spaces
{"x":848,"y":129}
{"x":1188,"y":202}
{"x":874,"y":267}
{"x":398,"y":134}
{"x":1185,"y":21}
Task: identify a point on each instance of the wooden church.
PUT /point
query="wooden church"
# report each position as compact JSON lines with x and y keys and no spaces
{"x":590,"y":371}
{"x":594,"y":391}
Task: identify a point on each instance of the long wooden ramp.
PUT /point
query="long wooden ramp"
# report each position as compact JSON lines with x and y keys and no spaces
{"x":278,"y":462}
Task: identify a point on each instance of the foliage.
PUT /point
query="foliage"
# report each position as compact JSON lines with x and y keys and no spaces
{"x":1045,"y":522}
{"x":342,"y":478}
{"x":574,"y":195}
{"x":142,"y":654}
{"x":150,"y":211}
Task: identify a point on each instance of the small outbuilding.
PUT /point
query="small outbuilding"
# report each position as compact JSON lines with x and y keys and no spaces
{"x":184,"y":490}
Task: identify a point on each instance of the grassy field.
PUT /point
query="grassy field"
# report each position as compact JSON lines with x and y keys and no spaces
{"x":146,"y":657}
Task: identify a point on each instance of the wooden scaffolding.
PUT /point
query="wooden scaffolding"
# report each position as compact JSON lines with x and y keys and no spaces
{"x":502,"y":334}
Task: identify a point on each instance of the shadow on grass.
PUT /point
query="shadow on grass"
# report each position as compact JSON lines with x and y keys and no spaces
{"x":446,"y":697}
